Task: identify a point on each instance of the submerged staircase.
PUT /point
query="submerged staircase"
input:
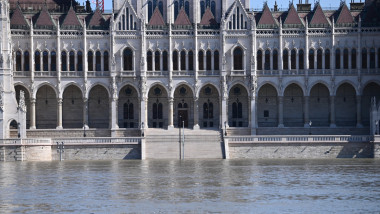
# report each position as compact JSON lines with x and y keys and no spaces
{"x":199,"y":144}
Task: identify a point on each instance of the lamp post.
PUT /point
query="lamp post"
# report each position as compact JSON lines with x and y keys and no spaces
{"x":18,"y":130}
{"x":142,"y":129}
{"x":310,"y":127}
{"x":225,"y":128}
{"x":183,"y":140}
{"x":84,"y":130}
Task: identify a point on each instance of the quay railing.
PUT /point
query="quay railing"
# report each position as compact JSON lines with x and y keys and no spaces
{"x":301,"y":139}
{"x":70,"y":141}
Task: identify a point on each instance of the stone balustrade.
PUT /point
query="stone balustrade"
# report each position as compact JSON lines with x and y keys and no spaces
{"x":69,"y":141}
{"x":300,"y":139}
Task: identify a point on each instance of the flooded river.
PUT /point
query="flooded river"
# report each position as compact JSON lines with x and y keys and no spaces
{"x":191,"y":186}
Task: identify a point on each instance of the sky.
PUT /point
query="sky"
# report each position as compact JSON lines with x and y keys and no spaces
{"x":258,"y":4}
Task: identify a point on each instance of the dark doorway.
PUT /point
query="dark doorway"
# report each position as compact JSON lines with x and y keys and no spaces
{"x":183,"y":116}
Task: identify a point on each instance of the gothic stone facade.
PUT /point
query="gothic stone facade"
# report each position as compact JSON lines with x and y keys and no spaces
{"x":208,"y":63}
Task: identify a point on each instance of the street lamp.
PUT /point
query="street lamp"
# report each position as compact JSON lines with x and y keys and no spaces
{"x":310,"y":127}
{"x":225,"y":128}
{"x":84,"y":130}
{"x":142,"y":129}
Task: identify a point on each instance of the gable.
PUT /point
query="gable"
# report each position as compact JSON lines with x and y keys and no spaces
{"x":344,"y":15}
{"x":44,"y":20}
{"x":266,"y":18}
{"x":127,"y":18}
{"x":71,"y":20}
{"x":319,"y":17}
{"x":208,"y":18}
{"x":157,"y":18}
{"x":18,"y":19}
{"x":236,"y":16}
{"x":97,"y":21}
{"x":182,"y":18}
{"x":292,"y":17}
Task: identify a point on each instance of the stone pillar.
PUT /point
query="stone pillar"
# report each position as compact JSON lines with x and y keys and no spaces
{"x":196,"y":113}
{"x":332,"y":112}
{"x":171,"y":112}
{"x":253,"y":114}
{"x":144,"y":112}
{"x":306,"y":111}
{"x":113,"y":113}
{"x":280,"y":111}
{"x":359,"y":111}
{"x":33,"y":113}
{"x":59,"y":115}
{"x":85,"y":113}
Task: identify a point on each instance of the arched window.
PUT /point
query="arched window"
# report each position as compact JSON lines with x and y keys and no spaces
{"x":175,"y":60}
{"x":259,"y":60}
{"x":152,"y":4}
{"x":18,"y":61}
{"x":183,"y":60}
{"x":327,"y":59}
{"x":213,"y":8}
{"x":353,"y":58}
{"x":319,"y":58}
{"x":285,"y":59}
{"x":79,"y":61}
{"x":191,"y":60}
{"x":301,"y":58}
{"x":72,"y":60}
{"x":176,"y":9}
{"x":45,"y":61}
{"x":106,"y":60}
{"x":26,"y":61}
{"x":337,"y":59}
{"x":208,"y":61}
{"x":364,"y":58}
{"x":238,"y":59}
{"x":293,"y":60}
{"x":345,"y":58}
{"x":372,"y":58}
{"x":64,"y":61}
{"x":90,"y":61}
{"x":149,"y":58}
{"x":128,"y":111}
{"x":237,"y":110}
{"x":187,"y":8}
{"x":159,"y":111}
{"x":53,"y":63}
{"x":216,"y":60}
{"x":98,"y":61}
{"x":155,"y":110}
{"x":161,"y":7}
{"x":37,"y":61}
{"x":275,"y":60}
{"x":267,"y":60}
{"x":311,"y":59}
{"x":165,"y":61}
{"x":200,"y":61}
{"x":157,"y":61}
{"x":128,"y":59}
{"x":150,"y":10}
{"x":208,"y":110}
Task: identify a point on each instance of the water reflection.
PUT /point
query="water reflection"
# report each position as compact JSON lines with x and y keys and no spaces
{"x":191,"y":186}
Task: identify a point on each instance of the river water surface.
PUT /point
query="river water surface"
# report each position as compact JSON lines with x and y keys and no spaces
{"x":191,"y":186}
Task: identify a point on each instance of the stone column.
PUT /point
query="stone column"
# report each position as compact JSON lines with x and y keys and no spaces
{"x":196,"y":113}
{"x":59,"y":116}
{"x":253,"y":114}
{"x":332,"y":112}
{"x":171,"y":112}
{"x":280,"y":111}
{"x":306,"y":111}
{"x":85,"y":113}
{"x":113,"y":113}
{"x":359,"y":111}
{"x":33,"y":113}
{"x":144,"y":111}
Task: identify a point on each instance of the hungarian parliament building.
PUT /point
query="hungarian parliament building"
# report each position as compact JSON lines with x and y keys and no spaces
{"x":207,"y":64}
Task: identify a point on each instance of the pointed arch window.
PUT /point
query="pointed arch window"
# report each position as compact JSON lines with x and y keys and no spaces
{"x":128,"y":111}
{"x":26,"y":61}
{"x":183,"y":60}
{"x":275,"y":60}
{"x":165,"y":61}
{"x":18,"y":61}
{"x":98,"y":61}
{"x":293,"y":56}
{"x":259,"y":60}
{"x":216,"y":60}
{"x":175,"y":60}
{"x":237,"y":110}
{"x":45,"y":61}
{"x":200,"y":61}
{"x":301,"y":63}
{"x":149,"y":59}
{"x":72,"y":60}
{"x":319,"y":58}
{"x":285,"y":59}
{"x":128,"y":59}
{"x":238,"y":59}
{"x":204,"y":4}
{"x":337,"y":59}
{"x":157,"y":110}
{"x":106,"y":60}
{"x":267,"y":60}
{"x":90,"y":61}
{"x":53,"y":63}
{"x":208,"y":110}
{"x":311,"y":59}
{"x":37,"y":61}
{"x":79,"y":61}
{"x":152,"y":4}
{"x":191,"y":60}
{"x":64,"y":61}
{"x":208,"y":61}
{"x":364,"y":58}
{"x":327,"y":59}
{"x":353,"y":58}
{"x":157,"y":61}
{"x":345,"y":58}
{"x":372,"y":61}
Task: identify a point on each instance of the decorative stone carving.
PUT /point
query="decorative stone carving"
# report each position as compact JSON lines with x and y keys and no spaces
{"x":22,"y":105}
{"x":1,"y":60}
{"x":113,"y":88}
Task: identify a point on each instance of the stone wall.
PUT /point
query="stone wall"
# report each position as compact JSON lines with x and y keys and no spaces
{"x":301,"y":150}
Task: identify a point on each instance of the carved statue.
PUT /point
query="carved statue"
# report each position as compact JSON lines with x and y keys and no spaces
{"x":22,"y":101}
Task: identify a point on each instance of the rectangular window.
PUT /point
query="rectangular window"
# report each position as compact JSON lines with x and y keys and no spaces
{"x":266,"y":113}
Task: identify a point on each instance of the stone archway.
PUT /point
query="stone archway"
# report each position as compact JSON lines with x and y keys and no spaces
{"x":157,"y":107}
{"x":98,"y":107}
{"x":267,"y":107}
{"x":345,"y":105}
{"x":46,"y":108}
{"x":319,"y":104}
{"x":72,"y":107}
{"x":128,"y":108}
{"x":370,"y":90}
{"x":293,"y":106}
{"x":19,"y":88}
{"x":238,"y":107}
{"x":183,"y":106}
{"x":209,"y":111}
